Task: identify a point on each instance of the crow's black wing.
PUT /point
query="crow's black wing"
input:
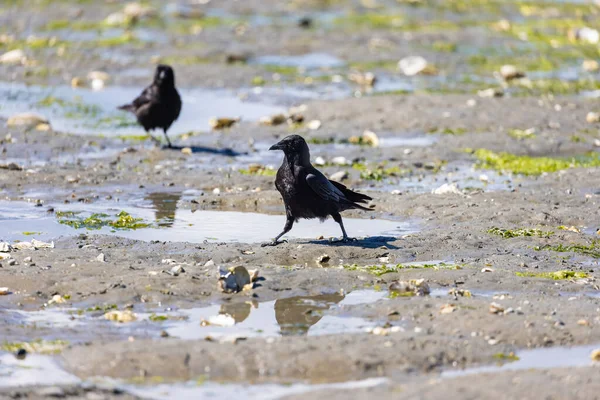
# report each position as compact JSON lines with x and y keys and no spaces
{"x":146,"y":97}
{"x":324,"y":188}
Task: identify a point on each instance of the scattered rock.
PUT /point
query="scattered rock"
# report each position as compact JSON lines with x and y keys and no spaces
{"x":487,"y":269}
{"x":339,"y":176}
{"x":11,"y":167}
{"x":26,"y":119}
{"x":595,"y":355}
{"x":187,"y":151}
{"x":592,"y":117}
{"x":274,"y":120}
{"x":209,"y":263}
{"x":138,"y":11}
{"x":236,"y":279}
{"x":447,"y":308}
{"x":496,"y":308}
{"x":510,"y":72}
{"x":491,"y":92}
{"x":366,"y":79}
{"x":320,"y":161}
{"x":57,"y":299}
{"x":323,"y":259}
{"x":368,"y":138}
{"x":459,"y":292}
{"x":590,"y":65}
{"x":16,"y":56}
{"x":101,"y":258}
{"x":585,"y":34}
{"x":414,"y":286}
{"x":222,"y":123}
{"x":236,"y":58}
{"x":339,"y":161}
{"x":447,"y":188}
{"x":4,"y":291}
{"x":5,"y":247}
{"x":120,"y":316}
{"x":27,"y":259}
{"x":176,"y":270}
{"x":412,"y":65}
{"x":216,"y":191}
{"x":314,"y":125}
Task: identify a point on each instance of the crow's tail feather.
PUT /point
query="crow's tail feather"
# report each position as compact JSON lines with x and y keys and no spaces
{"x":353,"y":197}
{"x":127,"y":107}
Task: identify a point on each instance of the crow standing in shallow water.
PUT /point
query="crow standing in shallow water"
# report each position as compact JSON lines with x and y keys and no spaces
{"x":306,"y":192}
{"x":158,"y":106}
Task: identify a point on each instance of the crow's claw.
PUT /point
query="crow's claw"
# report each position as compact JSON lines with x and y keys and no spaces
{"x":273,"y":243}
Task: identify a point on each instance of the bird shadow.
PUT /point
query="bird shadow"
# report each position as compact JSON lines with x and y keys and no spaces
{"x":372,"y":242}
{"x":207,"y":150}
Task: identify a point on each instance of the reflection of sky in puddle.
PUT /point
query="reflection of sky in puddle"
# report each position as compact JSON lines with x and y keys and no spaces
{"x":289,"y":316}
{"x":199,"y":106}
{"x":33,"y":370}
{"x":552,"y":357}
{"x":306,"y":61}
{"x":183,"y":225}
{"x":192,"y":390}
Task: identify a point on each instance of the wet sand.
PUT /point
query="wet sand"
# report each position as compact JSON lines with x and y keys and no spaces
{"x":329,"y":328}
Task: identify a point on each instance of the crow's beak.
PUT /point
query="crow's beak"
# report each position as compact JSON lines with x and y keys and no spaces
{"x":276,"y":146}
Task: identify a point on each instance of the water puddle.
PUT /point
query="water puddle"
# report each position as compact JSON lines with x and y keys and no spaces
{"x":552,"y":357}
{"x":83,"y":111}
{"x":304,"y":61}
{"x":23,"y":221}
{"x":324,"y":314}
{"x":302,"y":315}
{"x":192,"y":390}
{"x":35,"y":370}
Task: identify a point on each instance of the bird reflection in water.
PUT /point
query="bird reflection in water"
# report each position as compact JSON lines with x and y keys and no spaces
{"x":295,"y":315}
{"x":165,"y":206}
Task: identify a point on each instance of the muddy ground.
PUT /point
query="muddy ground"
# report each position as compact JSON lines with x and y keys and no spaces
{"x":528,"y":292}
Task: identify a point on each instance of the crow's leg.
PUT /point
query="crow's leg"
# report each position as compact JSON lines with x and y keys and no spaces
{"x":338,"y":218}
{"x":167,"y":137}
{"x":153,"y":138}
{"x":288,"y":226}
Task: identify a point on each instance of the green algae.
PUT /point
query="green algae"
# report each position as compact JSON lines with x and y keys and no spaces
{"x":383,"y":269}
{"x":557,"y":275}
{"x":379,"y":172}
{"x":96,"y":221}
{"x":259,"y":170}
{"x":36,"y":346}
{"x":520,"y":232}
{"x":527,"y":165}
{"x":592,"y":249}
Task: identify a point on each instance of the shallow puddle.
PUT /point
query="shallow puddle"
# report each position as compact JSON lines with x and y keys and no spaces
{"x":193,"y":390}
{"x":304,"y":61}
{"x":24,"y":221}
{"x":35,"y":369}
{"x":551,"y":357}
{"x":83,"y":111}
{"x":303,"y":315}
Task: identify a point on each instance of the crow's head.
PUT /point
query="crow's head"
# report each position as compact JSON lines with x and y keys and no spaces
{"x":164,"y":76}
{"x":293,"y":144}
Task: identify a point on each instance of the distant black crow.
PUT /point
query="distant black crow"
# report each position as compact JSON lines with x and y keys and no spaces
{"x":158,"y":106}
{"x":306,"y":192}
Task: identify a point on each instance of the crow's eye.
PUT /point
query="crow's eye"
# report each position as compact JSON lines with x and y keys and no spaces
{"x":161,"y":75}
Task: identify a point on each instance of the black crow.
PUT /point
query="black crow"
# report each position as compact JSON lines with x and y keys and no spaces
{"x":158,"y":106}
{"x":306,"y":192}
